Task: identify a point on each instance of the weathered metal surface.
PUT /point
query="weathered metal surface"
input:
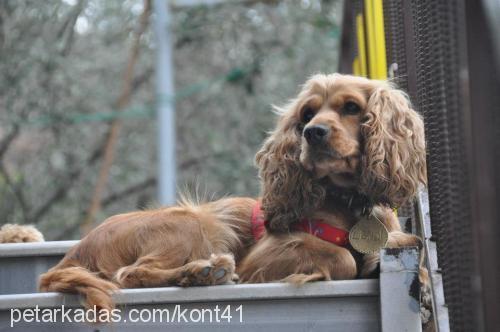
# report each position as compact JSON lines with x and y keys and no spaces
{"x":320,"y":306}
{"x":400,"y":290}
{"x":22,"y":263}
{"x":351,"y":305}
{"x":35,"y":248}
{"x":20,"y":275}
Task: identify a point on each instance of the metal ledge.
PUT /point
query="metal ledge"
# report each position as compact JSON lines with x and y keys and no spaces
{"x":35,"y":248}
{"x":243,"y":292}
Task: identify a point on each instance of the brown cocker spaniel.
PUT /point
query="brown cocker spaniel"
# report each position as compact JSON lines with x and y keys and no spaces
{"x":345,"y":146}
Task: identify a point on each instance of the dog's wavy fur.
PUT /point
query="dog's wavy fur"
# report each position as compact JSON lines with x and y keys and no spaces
{"x":191,"y":244}
{"x":392,"y":161}
{"x":379,"y":152}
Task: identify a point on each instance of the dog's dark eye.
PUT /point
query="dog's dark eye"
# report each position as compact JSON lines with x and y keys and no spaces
{"x":351,"y":108}
{"x":307,"y":114}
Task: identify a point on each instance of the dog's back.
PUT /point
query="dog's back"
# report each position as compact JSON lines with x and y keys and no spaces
{"x":182,"y":245}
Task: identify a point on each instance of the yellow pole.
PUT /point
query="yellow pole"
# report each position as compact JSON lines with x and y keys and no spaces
{"x":356,"y":67}
{"x":360,"y":34}
{"x":377,"y":63}
{"x":378,"y":11}
{"x":370,"y":38}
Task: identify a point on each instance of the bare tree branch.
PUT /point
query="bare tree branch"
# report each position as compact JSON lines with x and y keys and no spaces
{"x":66,"y":185}
{"x":116,"y":125}
{"x":70,"y":27}
{"x":5,"y":144}
{"x":137,"y":188}
{"x":129,"y":191}
{"x":18,"y":193}
{"x":74,"y":175}
{"x":16,"y":190}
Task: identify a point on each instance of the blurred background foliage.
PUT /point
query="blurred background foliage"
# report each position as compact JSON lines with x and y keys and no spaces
{"x":61,"y":72}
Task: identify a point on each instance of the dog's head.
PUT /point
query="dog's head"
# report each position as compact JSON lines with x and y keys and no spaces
{"x":341,"y":131}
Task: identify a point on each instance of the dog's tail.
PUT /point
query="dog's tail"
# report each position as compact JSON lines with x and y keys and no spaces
{"x":77,"y":279}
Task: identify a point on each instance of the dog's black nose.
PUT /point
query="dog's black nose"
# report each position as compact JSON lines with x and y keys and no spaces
{"x":316,"y":134}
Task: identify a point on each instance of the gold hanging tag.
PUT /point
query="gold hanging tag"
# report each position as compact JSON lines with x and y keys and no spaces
{"x":369,"y":235}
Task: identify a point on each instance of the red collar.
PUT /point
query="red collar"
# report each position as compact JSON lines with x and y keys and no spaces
{"x":314,"y":227}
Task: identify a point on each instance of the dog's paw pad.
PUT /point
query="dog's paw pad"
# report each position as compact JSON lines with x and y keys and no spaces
{"x":217,"y":270}
{"x":205,"y":271}
{"x":224,"y":267}
{"x":197,"y":273}
{"x":219,"y":273}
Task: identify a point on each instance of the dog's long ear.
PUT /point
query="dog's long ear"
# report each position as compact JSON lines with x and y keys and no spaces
{"x":289,"y":192}
{"x":393,"y":162}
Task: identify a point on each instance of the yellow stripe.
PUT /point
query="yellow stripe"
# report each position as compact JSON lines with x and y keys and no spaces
{"x":355,"y":67}
{"x":370,"y":34}
{"x":378,"y":11}
{"x":377,"y":63}
{"x":360,"y":34}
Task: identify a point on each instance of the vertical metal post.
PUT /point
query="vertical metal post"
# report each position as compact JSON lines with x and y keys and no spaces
{"x":440,"y":310}
{"x":165,"y":104}
{"x":400,"y":290}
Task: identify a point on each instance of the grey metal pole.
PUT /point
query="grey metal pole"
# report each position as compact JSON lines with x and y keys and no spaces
{"x":165,"y":104}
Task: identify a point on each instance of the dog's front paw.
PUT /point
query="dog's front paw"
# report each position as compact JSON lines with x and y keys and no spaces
{"x":399,"y":239}
{"x":217,"y":270}
{"x":426,"y":305}
{"x":425,"y":289}
{"x":223,"y":269}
